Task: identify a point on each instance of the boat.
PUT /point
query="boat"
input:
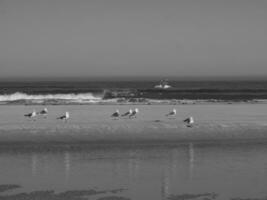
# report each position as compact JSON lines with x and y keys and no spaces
{"x":163,"y":84}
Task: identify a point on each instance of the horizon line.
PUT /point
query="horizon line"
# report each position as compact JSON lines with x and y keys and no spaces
{"x":133,"y":78}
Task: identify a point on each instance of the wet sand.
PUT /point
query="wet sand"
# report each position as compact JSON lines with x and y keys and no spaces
{"x":92,"y":124}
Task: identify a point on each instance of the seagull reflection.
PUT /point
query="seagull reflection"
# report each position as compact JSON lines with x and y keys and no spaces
{"x":34,"y":164}
{"x":175,"y":161}
{"x":117,"y":168}
{"x":191,"y":160}
{"x":165,"y":183}
{"x":67,"y":166}
{"x":133,"y":166}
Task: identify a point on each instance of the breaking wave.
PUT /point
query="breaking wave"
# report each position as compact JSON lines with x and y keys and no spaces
{"x":18,"y":96}
{"x":119,"y":97}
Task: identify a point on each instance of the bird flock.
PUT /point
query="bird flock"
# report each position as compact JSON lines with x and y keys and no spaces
{"x":130,"y":114}
{"x":44,"y":113}
{"x":133,"y":114}
{"x":116,"y":115}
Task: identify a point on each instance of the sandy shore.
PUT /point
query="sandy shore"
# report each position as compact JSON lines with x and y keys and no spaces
{"x":92,"y":124}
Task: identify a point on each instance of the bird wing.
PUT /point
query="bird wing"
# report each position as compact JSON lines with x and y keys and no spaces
{"x":125,"y":114}
{"x":186,"y":120}
{"x":115,"y":114}
{"x":132,"y":114}
{"x":170,"y":113}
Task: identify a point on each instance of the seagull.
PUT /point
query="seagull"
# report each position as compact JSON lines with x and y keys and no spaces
{"x":172,"y":113}
{"x":116,"y":114}
{"x":127,"y":113}
{"x":65,"y":117}
{"x":134,"y":113}
{"x":189,"y":121}
{"x":43,"y":112}
{"x":31,"y":115}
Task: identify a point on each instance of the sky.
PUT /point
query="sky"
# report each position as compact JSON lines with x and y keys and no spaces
{"x":113,"y":38}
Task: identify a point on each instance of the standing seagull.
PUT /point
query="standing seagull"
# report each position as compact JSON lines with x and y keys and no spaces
{"x":31,"y":115}
{"x":189,"y":121}
{"x":172,"y":113}
{"x":127,"y":113}
{"x":116,"y":114}
{"x":134,"y":113}
{"x":65,"y":117}
{"x":43,"y":112}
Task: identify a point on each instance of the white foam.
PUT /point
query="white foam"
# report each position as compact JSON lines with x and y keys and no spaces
{"x":74,"y":97}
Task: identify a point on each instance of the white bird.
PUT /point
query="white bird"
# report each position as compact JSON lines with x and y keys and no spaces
{"x":172,"y":113}
{"x":127,"y":113}
{"x":31,"y":115}
{"x":43,"y":112}
{"x":65,"y":117}
{"x":189,"y":121}
{"x":116,"y":114}
{"x":134,"y":113}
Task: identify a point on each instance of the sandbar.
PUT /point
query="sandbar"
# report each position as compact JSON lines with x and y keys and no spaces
{"x":92,"y":124}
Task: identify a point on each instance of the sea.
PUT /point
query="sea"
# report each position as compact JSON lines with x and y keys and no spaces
{"x":130,"y":91}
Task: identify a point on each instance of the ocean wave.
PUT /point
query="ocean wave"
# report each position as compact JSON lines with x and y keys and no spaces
{"x":18,"y":96}
{"x":117,"y":97}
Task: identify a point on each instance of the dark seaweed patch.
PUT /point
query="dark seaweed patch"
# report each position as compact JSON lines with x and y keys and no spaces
{"x":205,"y":196}
{"x":4,"y":188}
{"x":238,"y":198}
{"x":113,"y":198}
{"x":51,"y":195}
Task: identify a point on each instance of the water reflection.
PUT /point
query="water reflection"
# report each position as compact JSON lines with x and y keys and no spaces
{"x":179,"y":167}
{"x":34,"y":164}
{"x":191,"y":160}
{"x":133,"y":166}
{"x":147,"y":173}
{"x":174,"y":165}
{"x":67,"y":164}
{"x":165,"y":183}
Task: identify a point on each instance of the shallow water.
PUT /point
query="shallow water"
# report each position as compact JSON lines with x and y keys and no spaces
{"x":186,"y":171}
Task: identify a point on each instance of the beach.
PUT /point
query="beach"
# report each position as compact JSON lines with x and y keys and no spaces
{"x":92,"y":124}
